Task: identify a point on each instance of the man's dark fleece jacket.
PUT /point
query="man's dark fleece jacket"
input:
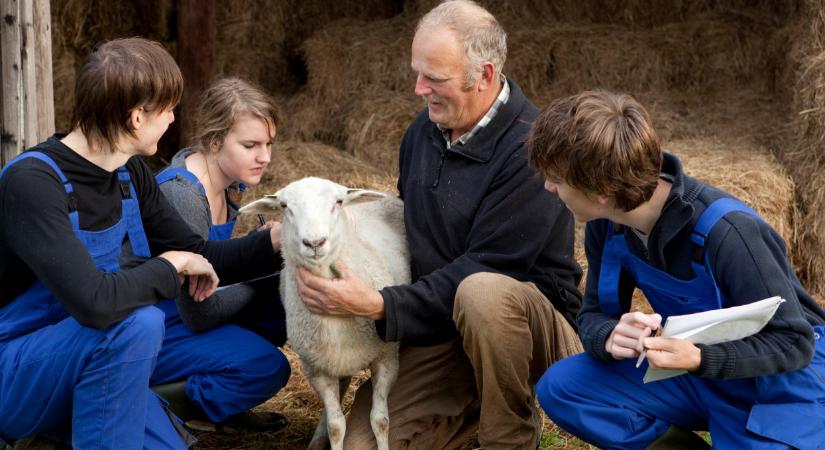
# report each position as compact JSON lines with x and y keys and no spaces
{"x":477,"y":207}
{"x":747,"y":260}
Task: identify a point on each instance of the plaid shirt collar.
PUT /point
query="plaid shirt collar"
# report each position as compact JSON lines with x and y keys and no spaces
{"x":502,"y":98}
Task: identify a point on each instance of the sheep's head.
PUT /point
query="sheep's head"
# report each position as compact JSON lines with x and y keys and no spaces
{"x":314,"y":219}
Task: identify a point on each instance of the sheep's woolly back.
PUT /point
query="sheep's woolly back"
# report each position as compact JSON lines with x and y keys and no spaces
{"x":380,"y":225}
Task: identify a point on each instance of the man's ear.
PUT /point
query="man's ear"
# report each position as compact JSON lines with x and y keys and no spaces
{"x":488,"y":80}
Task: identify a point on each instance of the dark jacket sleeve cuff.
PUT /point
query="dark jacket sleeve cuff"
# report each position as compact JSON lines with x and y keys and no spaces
{"x":387,"y":327}
{"x":716,"y":360}
{"x":599,"y":337}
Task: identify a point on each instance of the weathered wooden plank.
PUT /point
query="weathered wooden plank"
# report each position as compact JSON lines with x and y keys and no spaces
{"x":196,"y":55}
{"x":11,"y":135}
{"x":43,"y":68}
{"x":28,"y":78}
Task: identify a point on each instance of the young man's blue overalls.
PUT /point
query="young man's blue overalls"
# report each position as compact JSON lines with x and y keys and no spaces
{"x":58,"y":377}
{"x":623,"y":413}
{"x":228,"y":369}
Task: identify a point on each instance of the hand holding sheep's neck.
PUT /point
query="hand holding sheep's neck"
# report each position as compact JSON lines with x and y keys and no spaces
{"x":323,"y":268}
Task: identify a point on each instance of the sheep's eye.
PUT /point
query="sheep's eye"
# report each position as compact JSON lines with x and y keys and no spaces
{"x":339,"y":202}
{"x":283,"y":205}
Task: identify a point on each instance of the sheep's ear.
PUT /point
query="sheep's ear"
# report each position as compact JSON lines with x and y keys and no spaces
{"x":363,"y":195}
{"x":267,"y":204}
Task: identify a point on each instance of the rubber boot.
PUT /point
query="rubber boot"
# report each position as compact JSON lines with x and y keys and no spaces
{"x":179,"y":403}
{"x":195,"y":418}
{"x":676,"y":438}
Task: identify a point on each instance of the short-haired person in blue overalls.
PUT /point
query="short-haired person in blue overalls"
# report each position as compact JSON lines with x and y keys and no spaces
{"x":689,"y":247}
{"x":79,"y":333}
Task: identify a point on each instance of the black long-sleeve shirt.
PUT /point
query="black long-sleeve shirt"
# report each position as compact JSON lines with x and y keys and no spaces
{"x":37,"y":241}
{"x":476,"y":207}
{"x":748,"y":262}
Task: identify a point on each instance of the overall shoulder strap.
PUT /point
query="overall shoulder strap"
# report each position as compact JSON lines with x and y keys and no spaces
{"x":67,"y":186}
{"x":704,"y":224}
{"x":171,"y":173}
{"x":130,"y":212}
{"x":715,"y":211}
{"x":610,"y":271}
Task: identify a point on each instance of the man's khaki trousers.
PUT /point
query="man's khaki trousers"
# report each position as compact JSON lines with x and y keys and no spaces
{"x":509,"y":334}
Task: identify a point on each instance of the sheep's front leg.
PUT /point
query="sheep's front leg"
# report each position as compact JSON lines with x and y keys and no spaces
{"x":328,"y":389}
{"x":320,"y":438}
{"x":384,"y":372}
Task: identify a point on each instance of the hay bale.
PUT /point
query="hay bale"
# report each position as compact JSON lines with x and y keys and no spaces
{"x":64,"y":73}
{"x":79,"y":25}
{"x":635,"y":13}
{"x":751,"y":173}
{"x":695,"y":55}
{"x":355,"y":57}
{"x":347,"y":61}
{"x":804,"y":155}
{"x":375,"y":126}
{"x":261,"y":39}
{"x":250,"y":42}
{"x":702,"y":55}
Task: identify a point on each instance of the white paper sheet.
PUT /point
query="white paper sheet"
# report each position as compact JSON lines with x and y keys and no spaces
{"x":718,"y":325}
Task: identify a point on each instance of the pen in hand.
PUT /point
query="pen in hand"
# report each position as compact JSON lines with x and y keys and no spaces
{"x":643,"y":353}
{"x":261,"y":219}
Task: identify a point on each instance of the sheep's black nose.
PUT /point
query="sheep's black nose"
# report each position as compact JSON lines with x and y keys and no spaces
{"x":314,"y":244}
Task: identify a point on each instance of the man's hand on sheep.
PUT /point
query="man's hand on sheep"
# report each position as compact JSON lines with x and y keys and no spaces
{"x":342,"y":296}
{"x":198,"y":270}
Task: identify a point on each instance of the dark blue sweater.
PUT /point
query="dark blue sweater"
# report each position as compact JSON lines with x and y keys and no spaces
{"x":473,"y":208}
{"x":747,"y":258}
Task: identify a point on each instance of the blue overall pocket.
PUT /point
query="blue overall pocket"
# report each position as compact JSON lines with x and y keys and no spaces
{"x":791,"y":407}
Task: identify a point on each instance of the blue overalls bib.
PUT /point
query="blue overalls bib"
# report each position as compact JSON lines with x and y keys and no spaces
{"x":36,"y":307}
{"x":94,"y":380}
{"x":780,"y":402}
{"x":216,"y":232}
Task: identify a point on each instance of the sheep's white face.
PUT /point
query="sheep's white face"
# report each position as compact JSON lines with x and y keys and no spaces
{"x":313,"y":214}
{"x":312,"y":209}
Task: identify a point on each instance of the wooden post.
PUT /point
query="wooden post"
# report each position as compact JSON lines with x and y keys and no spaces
{"x":43,"y":67}
{"x":27,"y":115}
{"x":28,"y":74}
{"x":196,"y":56}
{"x":11,"y":136}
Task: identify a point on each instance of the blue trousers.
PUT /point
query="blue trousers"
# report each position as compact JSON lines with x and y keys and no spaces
{"x":228,"y":369}
{"x":67,"y":381}
{"x":608,"y":405}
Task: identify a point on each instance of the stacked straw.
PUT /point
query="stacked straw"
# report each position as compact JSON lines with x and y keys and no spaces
{"x":261,"y":39}
{"x":805,"y":158}
{"x":634,"y":13}
{"x":375,"y":126}
{"x":79,"y":25}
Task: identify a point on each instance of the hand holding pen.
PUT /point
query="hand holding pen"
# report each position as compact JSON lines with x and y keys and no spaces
{"x":626,"y":339}
{"x":643,"y":352}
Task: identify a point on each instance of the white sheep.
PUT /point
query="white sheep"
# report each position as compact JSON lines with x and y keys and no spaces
{"x":322,"y":224}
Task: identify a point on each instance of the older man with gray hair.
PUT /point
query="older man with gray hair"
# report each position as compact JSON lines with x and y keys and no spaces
{"x":494,"y":293}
